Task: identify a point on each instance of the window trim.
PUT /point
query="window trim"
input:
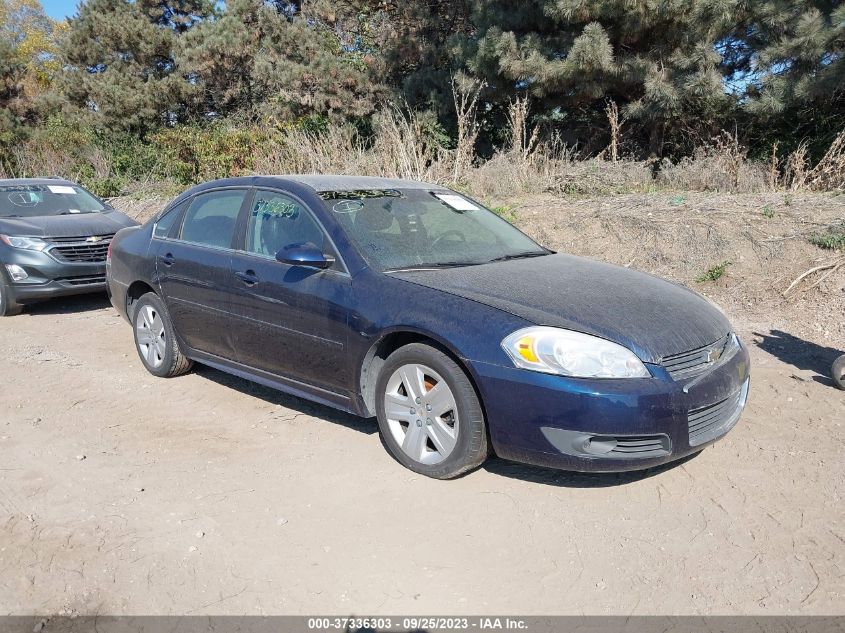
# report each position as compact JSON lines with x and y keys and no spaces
{"x":240,"y":246}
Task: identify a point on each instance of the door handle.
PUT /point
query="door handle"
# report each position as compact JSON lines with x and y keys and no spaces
{"x":168,"y":259}
{"x":248,"y":277}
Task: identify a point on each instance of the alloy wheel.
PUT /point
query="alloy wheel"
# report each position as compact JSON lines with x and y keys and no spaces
{"x":421,"y":413}
{"x":150,"y":335}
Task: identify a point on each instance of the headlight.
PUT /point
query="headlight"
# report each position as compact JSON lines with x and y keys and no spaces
{"x":29,"y":243}
{"x":555,"y":351}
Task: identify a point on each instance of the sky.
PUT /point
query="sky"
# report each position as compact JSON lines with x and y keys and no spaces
{"x":59,"y":9}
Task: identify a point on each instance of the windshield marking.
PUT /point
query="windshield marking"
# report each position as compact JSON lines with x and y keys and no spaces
{"x":348,"y":206}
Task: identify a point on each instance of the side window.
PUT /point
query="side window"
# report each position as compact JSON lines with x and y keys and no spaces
{"x":277,"y":221}
{"x":211,"y":218}
{"x":165,"y":222}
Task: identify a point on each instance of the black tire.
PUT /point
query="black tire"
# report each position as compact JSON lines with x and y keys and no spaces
{"x":839,"y":372}
{"x":471,"y":447}
{"x":173,"y":362}
{"x":8,"y":306}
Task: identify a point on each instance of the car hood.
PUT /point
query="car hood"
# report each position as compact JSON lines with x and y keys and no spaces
{"x":651,"y":316}
{"x":71,"y":225}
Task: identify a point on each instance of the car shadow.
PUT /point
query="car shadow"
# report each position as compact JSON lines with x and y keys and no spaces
{"x":368,"y":426}
{"x":799,"y":353}
{"x":570,"y":479}
{"x":68,"y":305}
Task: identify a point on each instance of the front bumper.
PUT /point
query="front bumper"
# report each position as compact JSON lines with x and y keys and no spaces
{"x":610,"y":425}
{"x":47,"y":277}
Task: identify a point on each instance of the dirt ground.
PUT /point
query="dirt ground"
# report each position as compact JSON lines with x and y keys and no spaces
{"x":121,"y":493}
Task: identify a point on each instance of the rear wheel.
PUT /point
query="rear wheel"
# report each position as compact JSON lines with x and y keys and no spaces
{"x":429,"y":415}
{"x":155,"y":340}
{"x":839,"y":372}
{"x":8,"y":306}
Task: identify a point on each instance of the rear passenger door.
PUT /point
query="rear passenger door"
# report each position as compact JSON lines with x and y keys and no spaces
{"x":193,"y":267}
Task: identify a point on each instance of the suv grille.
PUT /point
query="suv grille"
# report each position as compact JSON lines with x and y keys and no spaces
{"x":84,"y":249}
{"x":708,"y":423}
{"x":694,"y":362}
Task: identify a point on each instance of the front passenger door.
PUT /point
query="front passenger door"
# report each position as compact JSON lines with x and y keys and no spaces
{"x":293,"y":320}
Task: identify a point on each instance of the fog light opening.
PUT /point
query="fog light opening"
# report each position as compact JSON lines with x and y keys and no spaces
{"x":16,"y":272}
{"x":597,"y":445}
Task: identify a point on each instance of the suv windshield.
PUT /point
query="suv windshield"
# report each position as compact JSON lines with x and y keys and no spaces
{"x":414,"y":228}
{"x":29,"y":201}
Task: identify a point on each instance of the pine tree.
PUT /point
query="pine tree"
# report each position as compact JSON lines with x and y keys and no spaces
{"x":265,"y":59}
{"x":119,"y":57}
{"x":656,"y":58}
{"x":800,"y":53}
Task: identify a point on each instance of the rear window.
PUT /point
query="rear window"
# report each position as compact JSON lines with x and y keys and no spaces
{"x":30,"y":201}
{"x":211,"y":218}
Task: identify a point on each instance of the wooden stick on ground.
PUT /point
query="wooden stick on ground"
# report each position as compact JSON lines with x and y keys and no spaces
{"x":835,"y":263}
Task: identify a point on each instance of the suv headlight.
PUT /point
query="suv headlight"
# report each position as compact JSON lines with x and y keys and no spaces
{"x":568,"y":353}
{"x":28,"y":243}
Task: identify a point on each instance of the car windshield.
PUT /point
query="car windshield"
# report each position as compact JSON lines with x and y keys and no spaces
{"x":398,"y":229}
{"x":29,"y":201}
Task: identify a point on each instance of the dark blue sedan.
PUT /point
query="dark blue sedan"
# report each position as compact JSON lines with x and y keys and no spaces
{"x":412,"y":303}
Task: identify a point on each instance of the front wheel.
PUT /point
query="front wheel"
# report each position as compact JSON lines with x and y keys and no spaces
{"x":8,"y":306}
{"x":155,"y":340}
{"x":839,"y":372}
{"x":429,"y":415}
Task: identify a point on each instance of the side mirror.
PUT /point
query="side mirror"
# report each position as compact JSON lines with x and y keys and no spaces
{"x":304,"y":255}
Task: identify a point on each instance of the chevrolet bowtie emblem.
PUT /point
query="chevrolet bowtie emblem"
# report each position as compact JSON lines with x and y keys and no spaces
{"x":713,"y":355}
{"x":94,"y":239}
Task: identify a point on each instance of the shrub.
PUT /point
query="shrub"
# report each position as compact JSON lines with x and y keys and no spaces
{"x":833,"y":239}
{"x":720,"y":165}
{"x":715,"y":272}
{"x":195,"y":154}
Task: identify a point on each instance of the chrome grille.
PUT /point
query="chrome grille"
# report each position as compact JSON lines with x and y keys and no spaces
{"x":80,"y":249}
{"x":708,"y":423}
{"x":695,"y":361}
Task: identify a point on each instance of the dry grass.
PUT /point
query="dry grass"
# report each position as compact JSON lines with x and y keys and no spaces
{"x":337,"y":150}
{"x":33,"y":160}
{"x":465,"y":92}
{"x":829,"y":173}
{"x":401,"y":148}
{"x":615,"y":125}
{"x":722,"y":165}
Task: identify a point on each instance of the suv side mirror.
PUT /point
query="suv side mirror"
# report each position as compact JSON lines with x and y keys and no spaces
{"x":304,"y":255}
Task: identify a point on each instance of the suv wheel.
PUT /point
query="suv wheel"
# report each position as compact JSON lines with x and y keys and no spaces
{"x":429,"y":415}
{"x":154,"y":338}
{"x":839,"y":372}
{"x":8,"y":306}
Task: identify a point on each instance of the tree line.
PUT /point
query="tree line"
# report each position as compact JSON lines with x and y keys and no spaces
{"x":677,"y":72}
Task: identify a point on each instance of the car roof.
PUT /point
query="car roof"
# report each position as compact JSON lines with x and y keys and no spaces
{"x":317,"y":182}
{"x":11,"y":182}
{"x":330,"y":182}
